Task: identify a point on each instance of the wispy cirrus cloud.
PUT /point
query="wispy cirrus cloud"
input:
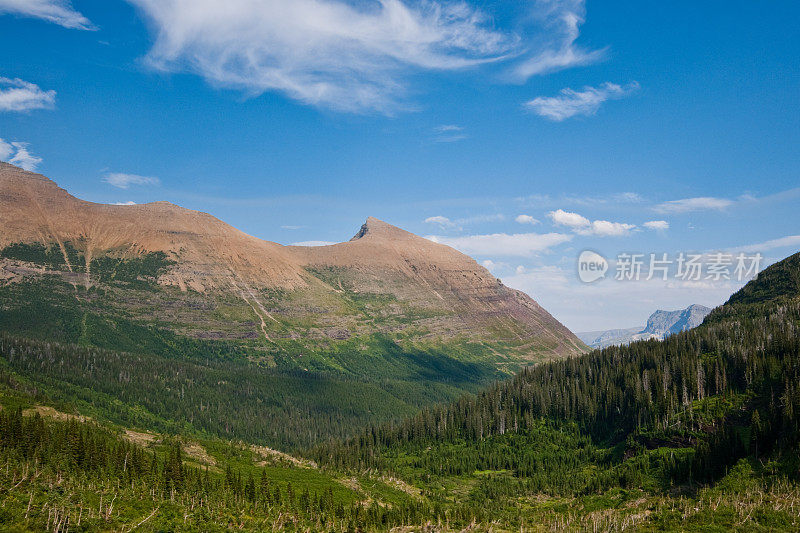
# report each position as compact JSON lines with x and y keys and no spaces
{"x":58,"y":12}
{"x":503,"y":244}
{"x":790,"y":241}
{"x":20,"y":96}
{"x":348,"y":56}
{"x":125,"y":181}
{"x":570,"y":103}
{"x":357,"y":56}
{"x":561,"y":20}
{"x":583,"y":226}
{"x":611,"y":199}
{"x":17,"y":154}
{"x":448,"y":133}
{"x":686,"y":205}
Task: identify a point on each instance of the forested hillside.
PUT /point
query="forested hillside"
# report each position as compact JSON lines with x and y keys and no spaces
{"x":697,"y":432}
{"x":62,"y":472}
{"x":159,"y":315}
{"x":661,"y":416}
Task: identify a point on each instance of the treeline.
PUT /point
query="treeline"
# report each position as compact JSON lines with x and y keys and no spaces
{"x":227,"y":398}
{"x":644,"y":395}
{"x":47,"y":308}
{"x":142,"y":268}
{"x":79,"y":450}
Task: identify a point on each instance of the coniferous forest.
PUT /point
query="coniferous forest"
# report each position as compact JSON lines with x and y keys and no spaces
{"x":699,"y":431}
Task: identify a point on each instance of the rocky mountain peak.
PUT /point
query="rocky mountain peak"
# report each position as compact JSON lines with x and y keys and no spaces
{"x":375,"y":228}
{"x":409,"y":282}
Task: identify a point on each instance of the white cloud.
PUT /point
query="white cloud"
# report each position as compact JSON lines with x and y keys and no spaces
{"x":526,"y":219}
{"x":125,"y":203}
{"x":503,"y":244}
{"x":23,"y":158}
{"x":58,"y":12}
{"x":19,"y":95}
{"x":442,"y":222}
{"x":17,"y":154}
{"x":447,"y":224}
{"x":356,"y":55}
{"x":562,"y":20}
{"x":604,"y":228}
{"x":571,"y":220}
{"x":349,"y":56}
{"x":687,"y":205}
{"x":570,"y":103}
{"x":313,"y":243}
{"x":658,"y":225}
{"x":790,"y":241}
{"x":583,"y":226}
{"x":124,"y":181}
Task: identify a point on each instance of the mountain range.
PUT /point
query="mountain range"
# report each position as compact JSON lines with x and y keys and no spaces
{"x":384,"y":280}
{"x":384,"y":323}
{"x":153,"y":360}
{"x":659,"y":325}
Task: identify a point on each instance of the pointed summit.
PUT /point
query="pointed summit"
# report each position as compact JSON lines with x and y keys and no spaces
{"x":418,"y":288}
{"x":372,"y":227}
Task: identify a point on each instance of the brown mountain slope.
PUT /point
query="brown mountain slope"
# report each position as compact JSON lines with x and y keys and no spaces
{"x":223,"y":283}
{"x":382,"y":258}
{"x":35,"y":209}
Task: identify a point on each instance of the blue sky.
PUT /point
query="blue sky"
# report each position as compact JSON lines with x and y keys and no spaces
{"x":294,"y":121}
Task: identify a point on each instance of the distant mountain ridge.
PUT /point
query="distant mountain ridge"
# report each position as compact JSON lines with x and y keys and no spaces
{"x":193,"y":274}
{"x":659,"y":325}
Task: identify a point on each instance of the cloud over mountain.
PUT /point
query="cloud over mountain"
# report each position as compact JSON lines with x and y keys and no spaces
{"x":17,"y":153}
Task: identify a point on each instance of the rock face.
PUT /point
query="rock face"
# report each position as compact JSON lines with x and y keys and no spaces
{"x":403,"y":284}
{"x":660,"y":325}
{"x":663,"y":323}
